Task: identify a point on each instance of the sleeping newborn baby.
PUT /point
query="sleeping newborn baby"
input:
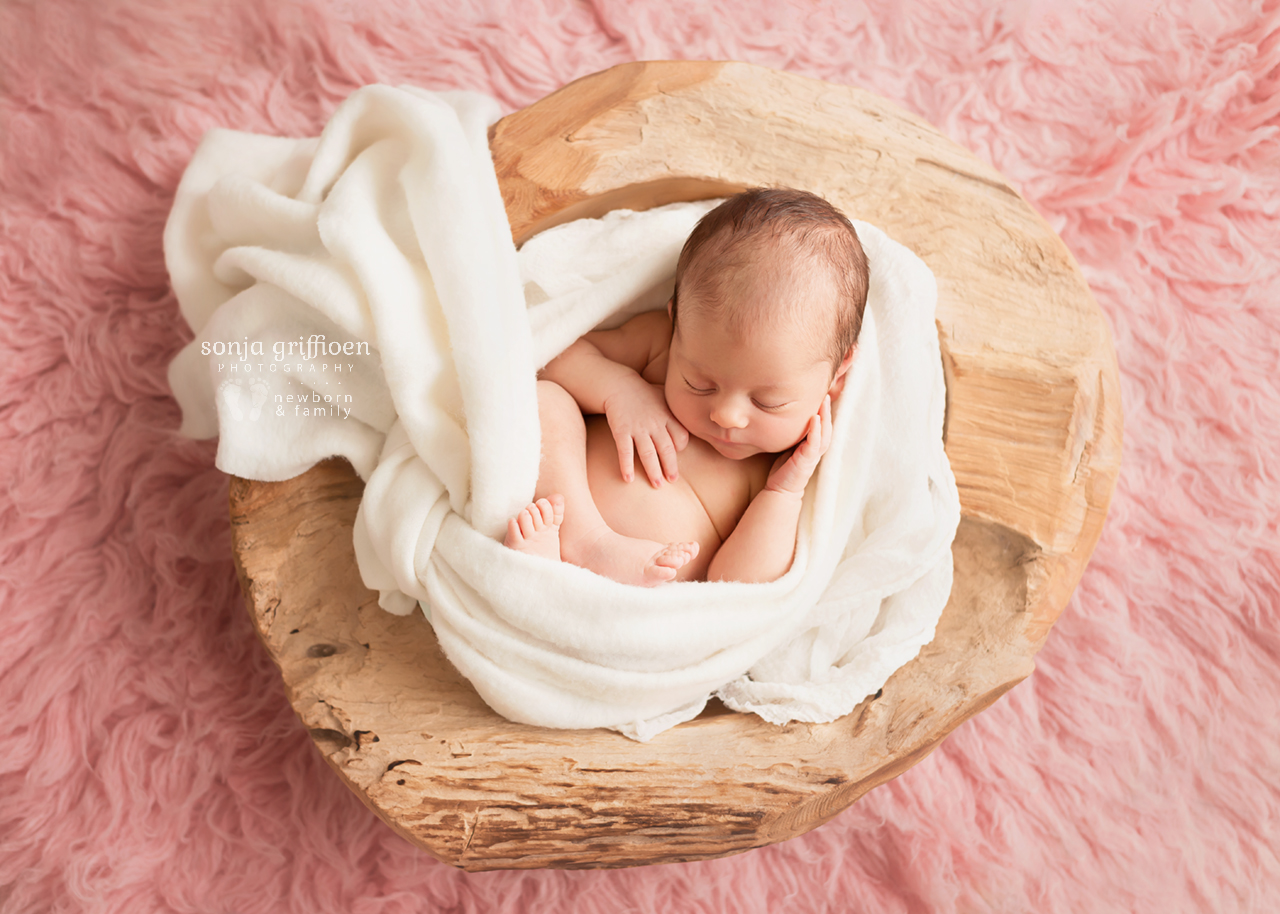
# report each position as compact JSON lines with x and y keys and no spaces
{"x":724,"y":400}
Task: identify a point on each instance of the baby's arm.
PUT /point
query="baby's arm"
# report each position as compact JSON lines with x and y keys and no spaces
{"x":602,"y":372}
{"x":763,"y":544}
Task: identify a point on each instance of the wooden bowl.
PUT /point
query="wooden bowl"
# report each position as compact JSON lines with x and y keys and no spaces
{"x":1033,"y":433}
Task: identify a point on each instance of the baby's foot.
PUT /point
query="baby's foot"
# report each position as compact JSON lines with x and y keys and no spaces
{"x":669,"y":560}
{"x":629,"y":560}
{"x":536,"y":529}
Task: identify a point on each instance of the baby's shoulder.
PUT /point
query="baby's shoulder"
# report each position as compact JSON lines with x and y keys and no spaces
{"x":652,"y":331}
{"x":638,"y":343}
{"x":654,"y":326}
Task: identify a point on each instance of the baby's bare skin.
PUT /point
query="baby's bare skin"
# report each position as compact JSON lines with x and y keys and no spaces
{"x":703,"y":505}
{"x":642,"y":534}
{"x":705,"y":424}
{"x":674,"y":527}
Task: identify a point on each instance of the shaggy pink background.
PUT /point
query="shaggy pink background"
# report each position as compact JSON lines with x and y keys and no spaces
{"x":148,"y":758}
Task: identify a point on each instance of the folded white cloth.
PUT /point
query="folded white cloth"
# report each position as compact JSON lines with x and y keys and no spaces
{"x":359,"y":295}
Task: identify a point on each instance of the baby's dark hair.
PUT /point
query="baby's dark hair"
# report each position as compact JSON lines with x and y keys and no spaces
{"x":728,"y":238}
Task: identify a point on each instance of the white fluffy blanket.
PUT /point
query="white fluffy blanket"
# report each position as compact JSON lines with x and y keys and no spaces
{"x":359,"y":295}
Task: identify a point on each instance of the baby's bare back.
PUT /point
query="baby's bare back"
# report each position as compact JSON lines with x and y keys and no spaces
{"x":703,"y":505}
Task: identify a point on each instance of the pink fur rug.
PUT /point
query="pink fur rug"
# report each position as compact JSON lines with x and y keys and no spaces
{"x":148,"y":758}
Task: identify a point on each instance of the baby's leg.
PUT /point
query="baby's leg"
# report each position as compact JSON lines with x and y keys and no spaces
{"x":584,"y":537}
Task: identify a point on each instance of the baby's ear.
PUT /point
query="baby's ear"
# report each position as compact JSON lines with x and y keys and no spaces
{"x":842,"y":372}
{"x":669,"y":303}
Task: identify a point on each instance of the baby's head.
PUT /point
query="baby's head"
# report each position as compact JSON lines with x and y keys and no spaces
{"x":777,"y":237}
{"x":770,"y":291}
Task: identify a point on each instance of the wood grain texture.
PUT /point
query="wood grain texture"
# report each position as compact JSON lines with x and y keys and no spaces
{"x":1033,"y":433}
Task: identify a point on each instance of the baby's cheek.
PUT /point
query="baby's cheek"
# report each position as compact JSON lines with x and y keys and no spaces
{"x":681,"y":409}
{"x":792,"y":434}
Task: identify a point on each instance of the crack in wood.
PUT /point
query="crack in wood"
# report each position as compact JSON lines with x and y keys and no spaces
{"x":995,"y":185}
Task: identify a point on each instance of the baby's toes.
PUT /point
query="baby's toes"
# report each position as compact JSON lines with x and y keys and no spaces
{"x":676,"y":555}
{"x":557,"y":509}
{"x":528,"y":526}
{"x":545,"y":515}
{"x":658,"y":572}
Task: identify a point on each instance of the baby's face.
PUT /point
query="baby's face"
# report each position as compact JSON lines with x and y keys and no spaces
{"x":748,"y":393}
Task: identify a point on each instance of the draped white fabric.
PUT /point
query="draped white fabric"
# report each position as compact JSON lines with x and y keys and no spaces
{"x":359,"y":294}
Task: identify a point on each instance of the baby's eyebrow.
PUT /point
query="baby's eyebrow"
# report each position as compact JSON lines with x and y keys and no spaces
{"x":785,"y":385}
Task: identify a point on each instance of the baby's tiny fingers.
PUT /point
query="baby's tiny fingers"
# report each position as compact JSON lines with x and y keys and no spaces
{"x":810,"y":449}
{"x":667,"y":454}
{"x":679,"y":434}
{"x":626,"y":457}
{"x":813,"y":436}
{"x":649,"y":460}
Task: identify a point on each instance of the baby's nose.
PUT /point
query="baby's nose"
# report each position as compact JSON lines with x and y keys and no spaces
{"x":727,"y":413}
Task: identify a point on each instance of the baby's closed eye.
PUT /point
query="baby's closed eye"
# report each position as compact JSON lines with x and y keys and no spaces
{"x":706,"y":391}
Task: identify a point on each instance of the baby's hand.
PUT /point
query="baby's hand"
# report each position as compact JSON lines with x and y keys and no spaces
{"x":791,"y":474}
{"x":644,"y":427}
